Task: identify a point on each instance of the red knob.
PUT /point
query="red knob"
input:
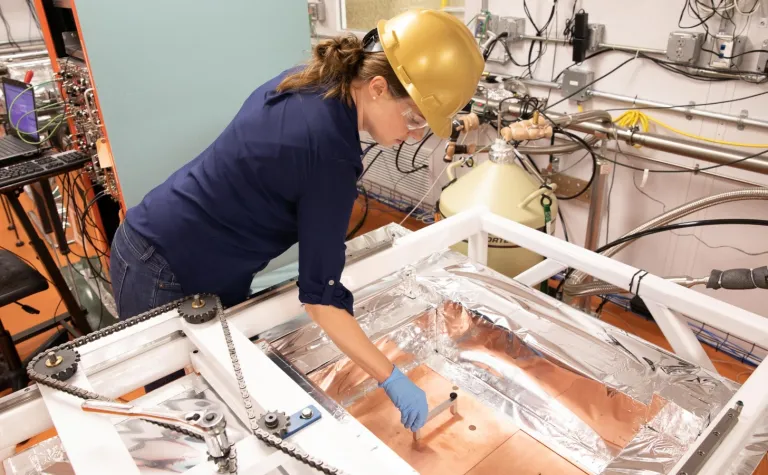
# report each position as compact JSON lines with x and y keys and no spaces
{"x":28,"y":76}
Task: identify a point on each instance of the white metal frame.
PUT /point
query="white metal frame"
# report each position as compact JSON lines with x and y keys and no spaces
{"x":120,"y":358}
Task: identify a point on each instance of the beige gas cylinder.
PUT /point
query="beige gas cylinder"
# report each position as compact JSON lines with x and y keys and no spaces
{"x":507,"y":190}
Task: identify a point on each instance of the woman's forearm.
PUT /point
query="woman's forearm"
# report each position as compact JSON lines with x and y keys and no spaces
{"x":346,"y":333}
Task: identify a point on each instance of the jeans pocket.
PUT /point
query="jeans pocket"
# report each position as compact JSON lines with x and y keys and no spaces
{"x":167,"y":292}
{"x":118,"y":272}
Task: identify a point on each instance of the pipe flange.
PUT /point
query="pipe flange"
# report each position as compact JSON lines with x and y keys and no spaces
{"x":59,"y":364}
{"x":276,"y":423}
{"x":198,"y":309}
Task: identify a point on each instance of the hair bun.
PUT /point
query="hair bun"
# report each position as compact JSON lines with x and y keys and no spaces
{"x":342,"y":55}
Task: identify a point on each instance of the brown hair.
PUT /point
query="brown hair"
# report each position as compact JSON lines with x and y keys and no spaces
{"x":335,"y":63}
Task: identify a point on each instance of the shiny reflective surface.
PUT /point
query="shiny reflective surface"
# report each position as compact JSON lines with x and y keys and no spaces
{"x":605,"y":400}
{"x":155,"y":450}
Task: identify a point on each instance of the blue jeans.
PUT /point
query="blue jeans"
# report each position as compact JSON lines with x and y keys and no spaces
{"x":141,"y":280}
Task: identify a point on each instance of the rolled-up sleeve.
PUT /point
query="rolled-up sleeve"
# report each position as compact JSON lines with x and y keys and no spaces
{"x":324,"y":210}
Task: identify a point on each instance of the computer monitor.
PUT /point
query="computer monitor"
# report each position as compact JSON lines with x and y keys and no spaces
{"x":22,"y":119}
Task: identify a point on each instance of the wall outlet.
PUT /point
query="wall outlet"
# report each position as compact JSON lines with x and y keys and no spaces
{"x":725,"y":47}
{"x":684,"y":47}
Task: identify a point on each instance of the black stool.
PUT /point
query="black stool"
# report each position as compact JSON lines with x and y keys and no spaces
{"x":18,"y":280}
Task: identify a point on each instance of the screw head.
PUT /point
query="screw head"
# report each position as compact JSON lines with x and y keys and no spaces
{"x":307,"y":413}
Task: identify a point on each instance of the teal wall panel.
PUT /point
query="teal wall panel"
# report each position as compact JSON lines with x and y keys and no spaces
{"x":171,"y":74}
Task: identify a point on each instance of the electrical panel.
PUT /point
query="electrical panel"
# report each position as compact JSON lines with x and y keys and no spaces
{"x":684,"y":47}
{"x":575,"y":81}
{"x":724,"y":48}
{"x":86,"y":132}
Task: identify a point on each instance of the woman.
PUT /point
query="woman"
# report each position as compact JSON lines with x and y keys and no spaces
{"x":285,"y":170}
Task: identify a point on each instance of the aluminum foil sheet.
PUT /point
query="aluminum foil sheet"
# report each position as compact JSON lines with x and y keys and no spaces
{"x":606,"y":400}
{"x":154,"y":449}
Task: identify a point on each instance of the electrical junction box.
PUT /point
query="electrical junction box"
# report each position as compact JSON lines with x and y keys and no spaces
{"x":684,"y":47}
{"x":724,"y":47}
{"x":575,"y":81}
{"x":515,"y":27}
{"x":512,"y":26}
{"x":762,"y":59}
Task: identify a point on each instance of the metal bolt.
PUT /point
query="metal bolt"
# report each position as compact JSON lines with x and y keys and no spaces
{"x":716,"y":433}
{"x":53,"y":359}
{"x":270,"y":420}
{"x":701,"y":453}
{"x":210,"y":417}
{"x":198,"y":302}
{"x":307,"y":413}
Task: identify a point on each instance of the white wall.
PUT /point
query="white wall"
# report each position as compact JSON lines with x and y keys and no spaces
{"x":648,"y":24}
{"x":23,"y":27}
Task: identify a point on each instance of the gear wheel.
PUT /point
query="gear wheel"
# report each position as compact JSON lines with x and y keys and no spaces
{"x":59,"y":364}
{"x":198,"y":309}
{"x":276,"y":423}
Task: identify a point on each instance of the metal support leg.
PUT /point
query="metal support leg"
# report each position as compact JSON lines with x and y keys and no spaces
{"x":679,"y":335}
{"x":78,"y":315}
{"x":53,"y":216}
{"x":478,"y":248}
{"x":11,"y":222}
{"x":595,"y":218}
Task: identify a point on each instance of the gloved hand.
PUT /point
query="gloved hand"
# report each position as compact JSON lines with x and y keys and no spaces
{"x":408,"y":398}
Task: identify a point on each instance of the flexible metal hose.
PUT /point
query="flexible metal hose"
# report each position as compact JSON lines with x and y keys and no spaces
{"x":602,"y":288}
{"x":572,"y":287}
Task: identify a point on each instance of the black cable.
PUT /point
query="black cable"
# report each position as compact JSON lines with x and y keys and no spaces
{"x":594,"y":164}
{"x":539,"y":31}
{"x":416,"y":153}
{"x":360,"y":223}
{"x":594,"y":81}
{"x":369,"y":166}
{"x":562,"y":220}
{"x":711,"y":167}
{"x":683,"y":225}
{"x":596,"y":53}
{"x":397,"y":162}
{"x":8,"y":33}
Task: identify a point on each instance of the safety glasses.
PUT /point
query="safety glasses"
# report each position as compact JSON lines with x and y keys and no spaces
{"x":413,"y":120}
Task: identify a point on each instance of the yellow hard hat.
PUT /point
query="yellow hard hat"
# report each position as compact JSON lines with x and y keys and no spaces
{"x":436,"y":59}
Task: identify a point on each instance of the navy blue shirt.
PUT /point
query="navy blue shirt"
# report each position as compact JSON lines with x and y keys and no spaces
{"x":283,"y":171}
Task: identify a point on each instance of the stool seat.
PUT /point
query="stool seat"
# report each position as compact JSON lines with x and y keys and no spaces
{"x":18,"y":279}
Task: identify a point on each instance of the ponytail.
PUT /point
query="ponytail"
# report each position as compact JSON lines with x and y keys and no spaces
{"x":335,"y":63}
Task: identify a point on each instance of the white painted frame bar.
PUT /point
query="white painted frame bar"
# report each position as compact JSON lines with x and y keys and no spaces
{"x":664,"y":298}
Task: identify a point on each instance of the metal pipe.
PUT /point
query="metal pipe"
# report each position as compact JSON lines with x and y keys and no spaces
{"x":558,"y":41}
{"x":637,"y":101}
{"x":554,"y":149}
{"x":602,"y":288}
{"x":675,"y":214}
{"x":686,"y":110}
{"x":12,"y":57}
{"x":632,"y":49}
{"x":683,"y":167}
{"x":683,"y":147}
{"x":600,"y":46}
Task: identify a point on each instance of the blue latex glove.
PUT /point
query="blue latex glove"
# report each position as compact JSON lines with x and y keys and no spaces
{"x":408,"y":398}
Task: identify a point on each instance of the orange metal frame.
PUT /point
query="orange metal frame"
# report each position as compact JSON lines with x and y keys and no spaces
{"x":48,"y":38}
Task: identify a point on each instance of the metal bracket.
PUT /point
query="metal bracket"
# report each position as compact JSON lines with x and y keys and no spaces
{"x":743,"y":115}
{"x":409,"y":284}
{"x":688,"y":114}
{"x":451,"y":403}
{"x":708,"y":446}
{"x":302,"y":419}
